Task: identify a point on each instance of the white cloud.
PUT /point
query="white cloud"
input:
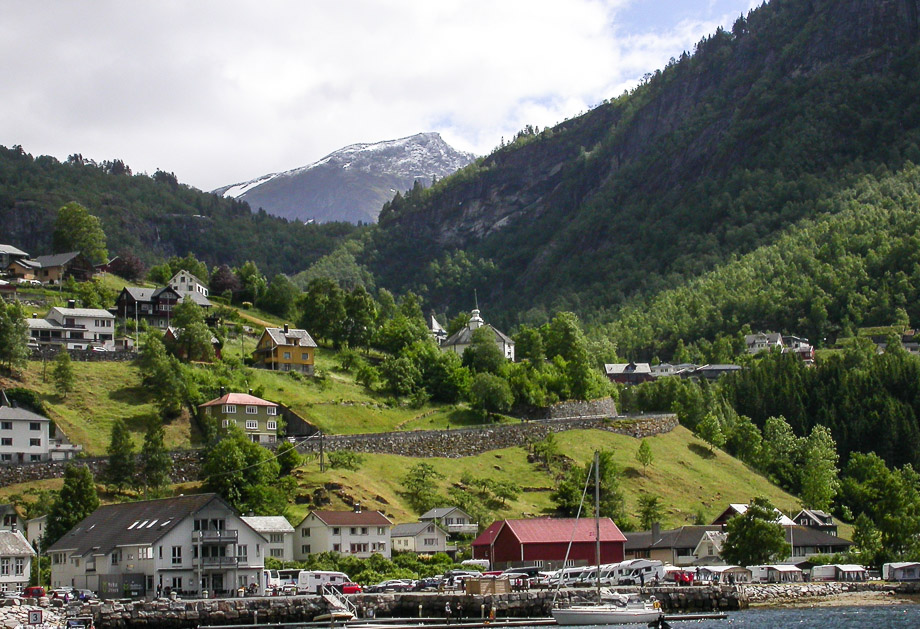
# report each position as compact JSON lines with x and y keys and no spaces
{"x":223,"y":91}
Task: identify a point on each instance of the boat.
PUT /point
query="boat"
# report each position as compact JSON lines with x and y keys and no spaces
{"x":611,"y":608}
{"x":624,"y":610}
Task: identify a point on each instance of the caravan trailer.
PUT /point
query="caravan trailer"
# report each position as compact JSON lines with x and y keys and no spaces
{"x":638,"y":571}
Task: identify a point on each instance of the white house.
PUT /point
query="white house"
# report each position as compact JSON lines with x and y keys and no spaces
{"x":459,"y":341}
{"x":35,"y":528}
{"x":74,"y":328}
{"x":185,"y":283}
{"x":419,"y":537}
{"x":26,"y":436}
{"x":453,"y":519}
{"x":279,"y":533}
{"x":15,"y":561}
{"x":185,"y":544}
{"x":359,"y":533}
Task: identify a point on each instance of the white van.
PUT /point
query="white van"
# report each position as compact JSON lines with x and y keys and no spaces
{"x":639,"y":571}
{"x":312,"y":581}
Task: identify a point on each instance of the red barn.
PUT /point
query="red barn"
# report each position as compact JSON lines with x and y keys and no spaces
{"x":544,"y":541}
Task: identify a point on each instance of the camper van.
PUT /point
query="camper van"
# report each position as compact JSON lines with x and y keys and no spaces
{"x":310,"y":581}
{"x":271,"y":581}
{"x":638,"y":571}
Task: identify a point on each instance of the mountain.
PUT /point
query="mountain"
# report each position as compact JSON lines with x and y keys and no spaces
{"x":353,"y":183}
{"x":714,"y":156}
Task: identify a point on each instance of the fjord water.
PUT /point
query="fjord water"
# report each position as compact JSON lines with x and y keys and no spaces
{"x":868,"y":617}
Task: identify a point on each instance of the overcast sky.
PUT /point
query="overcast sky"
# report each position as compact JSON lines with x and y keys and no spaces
{"x":224,"y":91}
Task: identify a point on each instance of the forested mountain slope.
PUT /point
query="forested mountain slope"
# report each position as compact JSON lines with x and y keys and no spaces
{"x":152,"y":217}
{"x":712,"y":157}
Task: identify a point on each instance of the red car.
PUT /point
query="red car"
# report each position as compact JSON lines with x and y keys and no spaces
{"x":351,"y":588}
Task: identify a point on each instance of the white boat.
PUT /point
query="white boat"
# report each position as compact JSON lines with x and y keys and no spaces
{"x":611,"y":608}
{"x":624,"y":610}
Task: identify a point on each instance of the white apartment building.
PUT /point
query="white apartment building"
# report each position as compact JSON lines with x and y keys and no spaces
{"x":359,"y":533}
{"x":186,"y":544}
{"x":25,"y":437}
{"x":279,"y":533}
{"x":184,"y":283}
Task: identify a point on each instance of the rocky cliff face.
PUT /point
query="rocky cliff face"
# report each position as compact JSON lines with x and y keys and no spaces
{"x":353,"y":183}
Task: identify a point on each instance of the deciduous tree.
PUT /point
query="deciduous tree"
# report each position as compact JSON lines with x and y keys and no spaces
{"x":755,"y":537}
{"x":75,"y":229}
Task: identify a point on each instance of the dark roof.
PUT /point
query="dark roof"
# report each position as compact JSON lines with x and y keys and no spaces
{"x":683,"y":537}
{"x":57,"y":259}
{"x":293,"y":337}
{"x":806,"y":536}
{"x":465,"y":337}
{"x":131,"y":523}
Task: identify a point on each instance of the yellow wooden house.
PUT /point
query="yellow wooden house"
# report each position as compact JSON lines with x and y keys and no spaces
{"x":285,"y":349}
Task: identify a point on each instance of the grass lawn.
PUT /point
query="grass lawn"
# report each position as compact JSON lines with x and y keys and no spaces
{"x":105,"y":391}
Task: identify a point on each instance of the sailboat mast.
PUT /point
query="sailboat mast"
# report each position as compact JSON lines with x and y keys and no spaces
{"x":597,"y":522}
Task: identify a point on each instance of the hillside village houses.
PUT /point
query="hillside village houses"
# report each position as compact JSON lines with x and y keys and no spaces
{"x":27,"y":437}
{"x":787,"y":344}
{"x":359,"y":533}
{"x":454,"y":520}
{"x":155,"y":305}
{"x":188,"y":544}
{"x":285,"y":349}
{"x":420,"y":537}
{"x":256,"y":417}
{"x":15,"y":561}
{"x":462,"y":339}
{"x":52,"y":269}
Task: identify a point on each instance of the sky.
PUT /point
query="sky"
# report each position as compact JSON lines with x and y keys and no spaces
{"x":223,"y":91}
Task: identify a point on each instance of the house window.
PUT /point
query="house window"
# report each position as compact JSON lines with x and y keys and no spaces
{"x":229,"y":409}
{"x":363,"y":530}
{"x":305,"y":357}
{"x":35,"y":457}
{"x":242,"y":552}
{"x":35,"y":426}
{"x":335,"y":530}
{"x":271,"y":425}
{"x":277,"y":552}
{"x":20,"y":566}
{"x":116,"y":557}
{"x":5,"y":566}
{"x":336,"y":548}
{"x":6,"y":441}
{"x":305,"y":549}
{"x":305,"y":532}
{"x":6,"y":425}
{"x":6,"y":457}
{"x":177,"y":583}
{"x":252,"y":410}
{"x":252,"y":424}
{"x":176,"y":555}
{"x":276,"y":538}
{"x":381,"y":530}
{"x":226,"y":423}
{"x":287,"y":355}
{"x":271,"y":410}
{"x":353,"y":530}
{"x":35,"y":442}
{"x":431,"y":541}
{"x":145,"y":552}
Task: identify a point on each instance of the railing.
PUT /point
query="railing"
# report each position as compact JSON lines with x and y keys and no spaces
{"x":218,"y":562}
{"x":338,"y":600}
{"x":209,"y":537}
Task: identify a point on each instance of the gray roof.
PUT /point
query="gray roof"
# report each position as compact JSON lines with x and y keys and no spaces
{"x":411,"y":529}
{"x":465,"y":336}
{"x":440,"y":512}
{"x":84,"y":312}
{"x":292,"y":337}
{"x":13,"y":251}
{"x":130,"y":523}
{"x":57,"y":259}
{"x":621,"y":368}
{"x":198,"y":298}
{"x":268,"y":523}
{"x":42,"y":324}
{"x":683,"y":537}
{"x":8,"y":411}
{"x":12,"y":544}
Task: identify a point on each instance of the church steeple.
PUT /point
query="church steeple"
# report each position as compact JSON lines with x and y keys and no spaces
{"x":475,"y":320}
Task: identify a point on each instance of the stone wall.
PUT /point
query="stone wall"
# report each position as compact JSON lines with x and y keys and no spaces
{"x":605,"y":407}
{"x":186,"y":467}
{"x":454,"y":443}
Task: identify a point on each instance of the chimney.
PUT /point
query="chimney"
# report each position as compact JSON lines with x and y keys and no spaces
{"x":357,"y":507}
{"x":250,"y":391}
{"x":656,"y":532}
{"x":221,"y":392}
{"x":285,"y":328}
{"x":71,"y":303}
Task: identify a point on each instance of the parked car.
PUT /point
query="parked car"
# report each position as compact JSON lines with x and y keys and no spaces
{"x":423,"y":585}
{"x":350,"y":588}
{"x":85,"y":595}
{"x":25,"y":282}
{"x":34,"y":591}
{"x":391,"y":585}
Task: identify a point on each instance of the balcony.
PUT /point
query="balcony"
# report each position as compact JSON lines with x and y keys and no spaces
{"x":217,"y":562}
{"x":464,"y":529}
{"x":215,"y":537}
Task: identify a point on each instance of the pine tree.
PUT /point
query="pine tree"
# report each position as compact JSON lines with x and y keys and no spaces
{"x":156,"y":463}
{"x":76,"y":500}
{"x":63,"y":374}
{"x":121,"y":468}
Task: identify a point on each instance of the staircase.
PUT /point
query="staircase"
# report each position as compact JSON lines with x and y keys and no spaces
{"x":337,"y":601}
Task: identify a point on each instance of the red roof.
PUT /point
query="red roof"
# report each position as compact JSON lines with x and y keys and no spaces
{"x":542,"y":530}
{"x":242,"y":399}
{"x":352,"y":518}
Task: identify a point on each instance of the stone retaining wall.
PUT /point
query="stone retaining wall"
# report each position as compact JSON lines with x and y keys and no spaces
{"x":605,"y":407}
{"x":471,"y":441}
{"x":452,"y":443}
{"x":788,"y":592}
